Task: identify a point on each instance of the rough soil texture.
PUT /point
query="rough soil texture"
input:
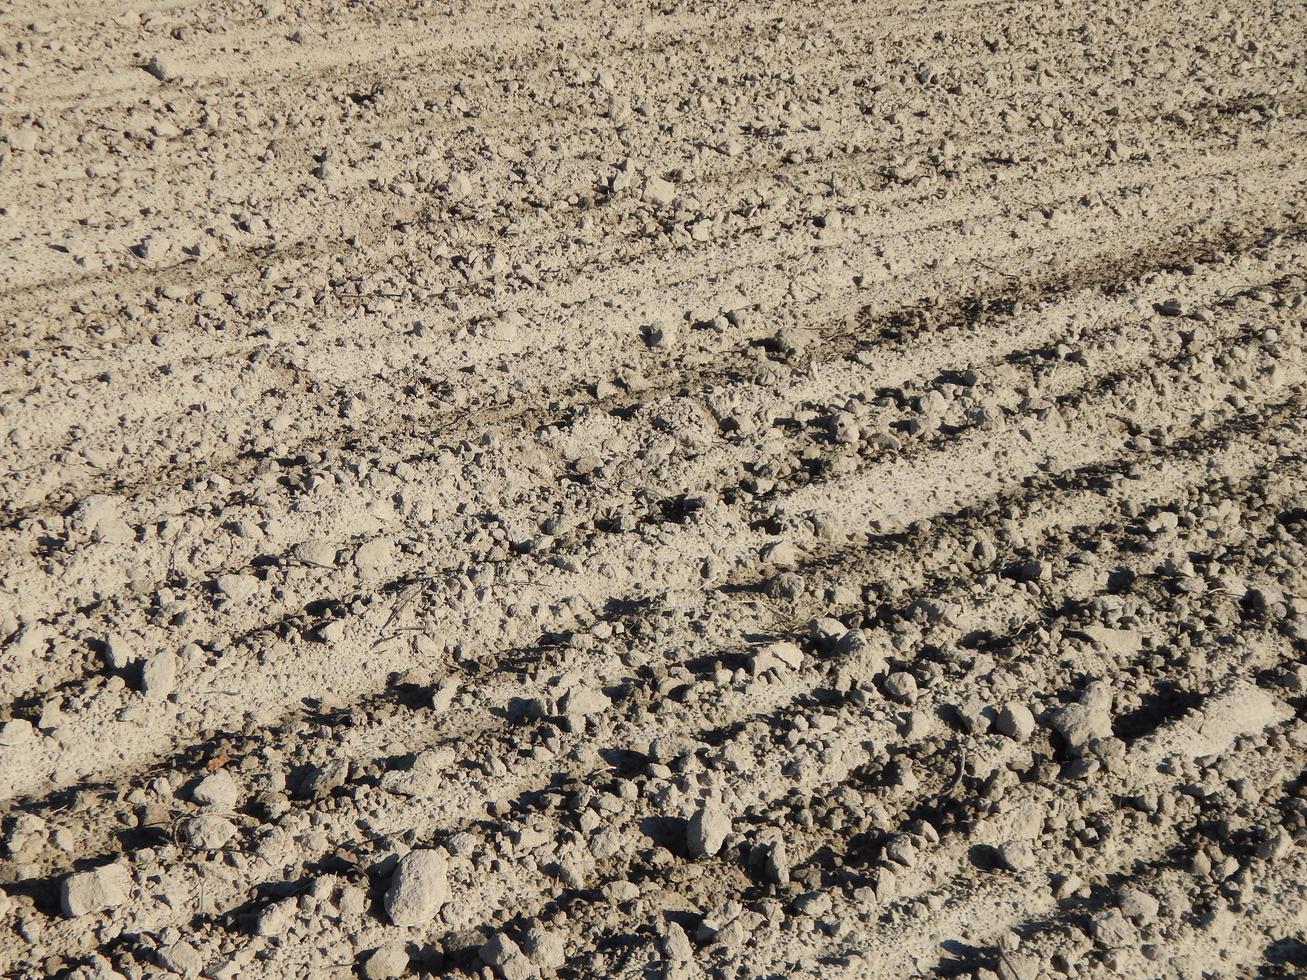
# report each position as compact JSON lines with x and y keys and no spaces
{"x":625,"y":490}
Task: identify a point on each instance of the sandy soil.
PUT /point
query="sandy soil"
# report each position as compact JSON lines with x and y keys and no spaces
{"x":634,"y":490}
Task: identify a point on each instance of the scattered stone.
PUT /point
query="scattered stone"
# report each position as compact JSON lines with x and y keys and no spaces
{"x":159,"y":675}
{"x":208,"y":832}
{"x":95,"y":891}
{"x":676,"y":944}
{"x":218,"y":789}
{"x":1016,"y":721}
{"x":1112,"y":929}
{"x":506,"y":958}
{"x":707,"y":830}
{"x":386,"y":962}
{"x":164,"y":67}
{"x":418,"y":889}
{"x":901,"y":686}
{"x":181,"y":958}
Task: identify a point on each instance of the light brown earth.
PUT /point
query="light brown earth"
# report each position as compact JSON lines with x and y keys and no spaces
{"x":626,"y":490}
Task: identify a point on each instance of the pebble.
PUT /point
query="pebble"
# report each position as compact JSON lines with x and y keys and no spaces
{"x":218,"y":789}
{"x":386,"y":962}
{"x":159,"y":675}
{"x":1015,"y":720}
{"x":506,"y":958}
{"x":164,"y":67}
{"x":707,"y":830}
{"x":676,"y":944}
{"x":1112,"y":929}
{"x":209,"y":832}
{"x":418,"y":889}
{"x":1138,"y":906}
{"x":94,"y":891}
{"x":181,"y":958}
{"x":901,"y":686}
{"x":658,"y":191}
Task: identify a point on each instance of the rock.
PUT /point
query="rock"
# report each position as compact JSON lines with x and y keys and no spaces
{"x":658,"y":191}
{"x":181,"y":958}
{"x":661,"y":333}
{"x":386,"y":962}
{"x":1017,"y":855}
{"x":1015,"y":721}
{"x":776,"y":868}
{"x":164,"y":67}
{"x":16,"y":732}
{"x":506,"y":958}
{"x":676,"y":944}
{"x":544,"y":948}
{"x":218,"y":789}
{"x":1112,"y":929}
{"x":418,"y":889}
{"x":159,"y":675}
{"x":901,"y":686}
{"x":1138,"y":906}
{"x":1080,"y":722}
{"x":119,"y":654}
{"x":208,"y":832}
{"x":706,"y":831}
{"x":781,"y":657}
{"x":94,"y":891}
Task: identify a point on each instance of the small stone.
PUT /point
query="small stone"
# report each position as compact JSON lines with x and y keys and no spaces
{"x":1138,"y":906}
{"x":901,"y":686}
{"x":95,"y":891}
{"x":1015,"y":720}
{"x":506,"y":958}
{"x":676,"y":944}
{"x":164,"y":67}
{"x":209,"y":832}
{"x":1017,"y":855}
{"x":217,"y":790}
{"x":1112,"y":929}
{"x":159,"y":675}
{"x":418,"y":889}
{"x":386,"y":962}
{"x":181,"y":958}
{"x":707,"y":830}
